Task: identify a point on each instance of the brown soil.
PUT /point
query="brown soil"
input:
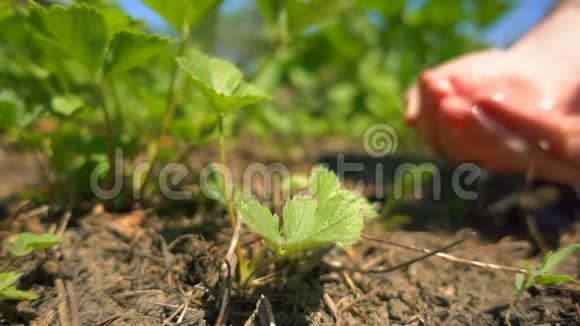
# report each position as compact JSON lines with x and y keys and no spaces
{"x":139,"y":268}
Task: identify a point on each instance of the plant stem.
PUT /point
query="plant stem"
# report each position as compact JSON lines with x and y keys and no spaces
{"x":110,"y":133}
{"x":224,"y":162}
{"x":259,"y":268}
{"x":227,"y":191}
{"x":117,"y":101}
{"x":167,"y":114}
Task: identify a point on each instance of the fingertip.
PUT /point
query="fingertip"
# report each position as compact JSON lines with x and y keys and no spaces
{"x":525,"y":117}
{"x":435,"y":84}
{"x":412,"y":107}
{"x":455,"y":111}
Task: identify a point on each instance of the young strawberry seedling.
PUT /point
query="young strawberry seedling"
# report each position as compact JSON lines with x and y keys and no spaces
{"x":540,"y":275}
{"x":324,"y":215}
{"x":25,"y":244}
{"x":223,"y":85}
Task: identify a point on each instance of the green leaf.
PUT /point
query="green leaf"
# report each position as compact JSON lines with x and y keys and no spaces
{"x":552,"y":259}
{"x":328,"y":215}
{"x":323,"y":184}
{"x":304,"y":14}
{"x":220,"y":81}
{"x":116,"y":20}
{"x":78,"y":30}
{"x":552,"y":279}
{"x":67,"y":105}
{"x":27,"y":242}
{"x":335,"y":221}
{"x":182,"y":12}
{"x":8,"y":279}
{"x":298,"y":216}
{"x":11,"y":293}
{"x":260,"y":219}
{"x":129,"y":50}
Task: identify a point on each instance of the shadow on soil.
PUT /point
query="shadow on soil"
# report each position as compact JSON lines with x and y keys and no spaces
{"x":498,"y":210}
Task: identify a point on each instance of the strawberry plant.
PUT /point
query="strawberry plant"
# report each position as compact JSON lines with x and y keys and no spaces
{"x":326,"y":214}
{"x":222,"y":84}
{"x":62,"y":96}
{"x":25,"y":244}
{"x":541,"y":274}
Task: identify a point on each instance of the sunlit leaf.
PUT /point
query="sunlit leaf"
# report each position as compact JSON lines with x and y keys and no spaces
{"x":78,"y":30}
{"x":67,"y":105}
{"x":180,"y":13}
{"x":129,"y":50}
{"x":298,"y":216}
{"x":552,"y":259}
{"x":116,"y":20}
{"x":328,"y":215}
{"x":27,"y":243}
{"x":335,"y":221}
{"x":11,"y":293}
{"x":304,"y":14}
{"x":260,"y":219}
{"x":8,"y":279}
{"x":323,"y":184}
{"x":220,"y":81}
{"x":552,"y":279}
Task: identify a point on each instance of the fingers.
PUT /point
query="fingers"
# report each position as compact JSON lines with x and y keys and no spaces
{"x":457,"y":143}
{"x":471,"y":137}
{"x":524,"y":152}
{"x":504,"y":131}
{"x":432,"y":89}
{"x":412,"y":104}
{"x":554,"y":131}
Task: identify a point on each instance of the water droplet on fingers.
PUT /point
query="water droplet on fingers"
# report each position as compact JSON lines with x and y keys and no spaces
{"x":498,"y":97}
{"x":444,"y":85}
{"x":546,"y":104}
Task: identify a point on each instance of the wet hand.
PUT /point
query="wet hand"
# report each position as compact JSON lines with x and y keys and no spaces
{"x":503,"y":111}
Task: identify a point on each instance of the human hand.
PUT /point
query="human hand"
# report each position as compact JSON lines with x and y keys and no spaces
{"x":502,"y":110}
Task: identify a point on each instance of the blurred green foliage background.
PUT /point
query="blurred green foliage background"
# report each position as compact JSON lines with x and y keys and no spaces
{"x":332,"y":68}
